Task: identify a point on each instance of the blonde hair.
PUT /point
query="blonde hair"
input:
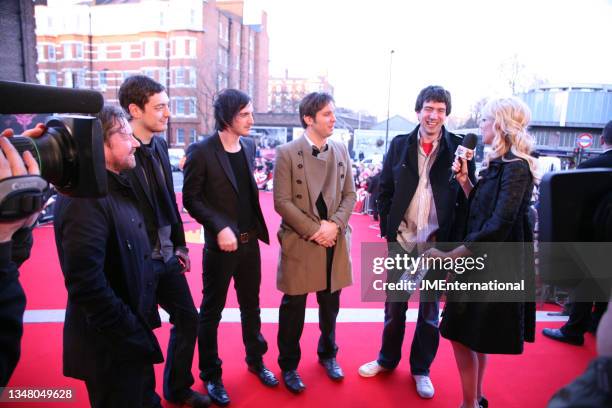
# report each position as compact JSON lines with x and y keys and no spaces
{"x":510,"y":118}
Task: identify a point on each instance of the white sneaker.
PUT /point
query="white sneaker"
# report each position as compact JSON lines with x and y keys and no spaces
{"x":371,"y":369}
{"x":424,"y":387}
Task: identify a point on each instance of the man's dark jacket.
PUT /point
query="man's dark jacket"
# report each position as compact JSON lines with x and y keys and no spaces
{"x":603,"y":160}
{"x":105,"y":256}
{"x":210,"y":190}
{"x":399,"y":179}
{"x":141,"y":188}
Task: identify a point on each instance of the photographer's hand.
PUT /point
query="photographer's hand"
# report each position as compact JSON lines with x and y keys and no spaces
{"x":11,"y":164}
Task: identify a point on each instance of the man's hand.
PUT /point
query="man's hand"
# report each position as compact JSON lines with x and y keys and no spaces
{"x":11,"y":165}
{"x":326,"y":235}
{"x":227,"y":240}
{"x":183,"y":258}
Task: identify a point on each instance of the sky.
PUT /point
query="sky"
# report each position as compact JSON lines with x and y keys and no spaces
{"x":459,"y":44}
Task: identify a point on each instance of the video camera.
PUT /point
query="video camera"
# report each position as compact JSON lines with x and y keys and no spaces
{"x":70,"y":153}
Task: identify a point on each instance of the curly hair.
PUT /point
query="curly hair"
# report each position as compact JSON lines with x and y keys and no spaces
{"x":510,"y":118}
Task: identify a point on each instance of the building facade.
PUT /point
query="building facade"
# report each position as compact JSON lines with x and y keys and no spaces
{"x":562,"y":113}
{"x":286,"y":93}
{"x":195,"y":48}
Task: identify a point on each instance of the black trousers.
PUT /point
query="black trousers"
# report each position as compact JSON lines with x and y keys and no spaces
{"x":219,"y":267}
{"x":12,"y":306}
{"x":173,"y":295}
{"x":291,"y":315}
{"x":582,"y":316}
{"x":122,"y":385}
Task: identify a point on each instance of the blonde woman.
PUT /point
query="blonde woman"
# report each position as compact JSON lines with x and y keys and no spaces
{"x":478,"y":324}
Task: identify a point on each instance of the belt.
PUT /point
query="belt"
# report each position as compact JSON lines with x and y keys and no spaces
{"x":245,"y":237}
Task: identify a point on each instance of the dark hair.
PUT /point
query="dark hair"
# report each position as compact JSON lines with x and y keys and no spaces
{"x":110,"y":117}
{"x":312,"y":103}
{"x":137,"y":89}
{"x":606,"y":135}
{"x":228,"y":104}
{"x":433,"y":93}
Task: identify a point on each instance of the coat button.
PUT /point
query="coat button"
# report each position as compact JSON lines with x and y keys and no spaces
{"x":342,"y":176}
{"x":300,"y":166}
{"x":300,"y":153}
{"x":298,"y":181}
{"x":298,"y":196}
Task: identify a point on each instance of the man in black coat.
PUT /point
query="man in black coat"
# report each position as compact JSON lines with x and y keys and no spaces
{"x":219,"y":191}
{"x":104,"y":253}
{"x":582,"y":315}
{"x":146,"y":103}
{"x":419,"y":205}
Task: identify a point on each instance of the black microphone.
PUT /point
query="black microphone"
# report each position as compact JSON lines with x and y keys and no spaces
{"x":466,"y":150}
{"x":19,"y":97}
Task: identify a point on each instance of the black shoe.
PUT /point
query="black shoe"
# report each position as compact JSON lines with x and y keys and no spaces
{"x":293,"y":381}
{"x":194,"y":399}
{"x":266,"y":376}
{"x":483,"y":403}
{"x":333,"y":369}
{"x":557,"y":334}
{"x":217,"y":393}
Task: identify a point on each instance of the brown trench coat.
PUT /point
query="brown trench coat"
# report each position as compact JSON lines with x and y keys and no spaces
{"x":298,"y":179}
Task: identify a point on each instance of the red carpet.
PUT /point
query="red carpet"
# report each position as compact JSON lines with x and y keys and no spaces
{"x":512,"y":381}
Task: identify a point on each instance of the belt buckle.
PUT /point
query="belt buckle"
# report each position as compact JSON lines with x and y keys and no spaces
{"x":244,"y":238}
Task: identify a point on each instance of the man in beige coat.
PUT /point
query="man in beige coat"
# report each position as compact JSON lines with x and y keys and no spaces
{"x":314,"y":194}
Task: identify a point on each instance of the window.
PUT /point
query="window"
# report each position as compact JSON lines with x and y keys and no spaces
{"x":67,"y":51}
{"x":192,"y":16}
{"x":148,"y":49}
{"x":220,"y":29}
{"x":102,"y":79}
{"x":190,"y":48}
{"x":53,"y":78}
{"x":51,"y":51}
{"x":126,"y":51}
{"x":180,"y":107}
{"x":68,"y":79}
{"x":192,"y":77}
{"x":192,"y":109}
{"x":251,"y":41}
{"x":101,"y":51}
{"x":180,"y":136}
{"x":41,"y":77}
{"x":163,"y":76}
{"x":79,"y":51}
{"x":180,"y":76}
{"x":193,"y":135}
{"x":80,"y":79}
{"x":149,"y":72}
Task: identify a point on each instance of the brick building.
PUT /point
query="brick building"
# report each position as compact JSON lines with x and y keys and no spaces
{"x":194,"y":47}
{"x":286,"y":93}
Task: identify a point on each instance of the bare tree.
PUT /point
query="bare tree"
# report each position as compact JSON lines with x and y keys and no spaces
{"x":517,"y":76}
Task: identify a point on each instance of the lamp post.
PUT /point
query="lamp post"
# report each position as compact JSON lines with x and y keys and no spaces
{"x":389,"y":101}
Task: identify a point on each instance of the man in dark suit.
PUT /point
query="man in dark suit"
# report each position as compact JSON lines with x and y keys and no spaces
{"x":146,"y":103}
{"x":418,"y":205}
{"x":219,"y":191}
{"x":104,"y":253}
{"x":583,"y":316}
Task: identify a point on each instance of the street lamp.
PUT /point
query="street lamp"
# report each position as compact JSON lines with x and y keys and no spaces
{"x":388,"y":101}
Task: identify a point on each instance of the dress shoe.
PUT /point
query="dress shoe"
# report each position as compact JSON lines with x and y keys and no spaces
{"x":194,"y":399}
{"x":483,"y":403}
{"x":266,"y":376}
{"x":333,"y":369}
{"x":371,"y":369}
{"x":293,"y":382}
{"x":217,"y":393}
{"x":557,"y":334}
{"x":424,"y":387}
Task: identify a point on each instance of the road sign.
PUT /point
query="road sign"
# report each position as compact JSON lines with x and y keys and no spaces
{"x":584,"y":140}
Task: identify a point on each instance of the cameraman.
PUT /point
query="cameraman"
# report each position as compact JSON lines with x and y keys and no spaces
{"x":15,"y":244}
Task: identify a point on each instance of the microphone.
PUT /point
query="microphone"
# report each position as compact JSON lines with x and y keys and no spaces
{"x":19,"y":97}
{"x":466,"y":150}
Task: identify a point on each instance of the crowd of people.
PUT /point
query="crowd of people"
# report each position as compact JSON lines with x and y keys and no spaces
{"x":125,"y":254}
